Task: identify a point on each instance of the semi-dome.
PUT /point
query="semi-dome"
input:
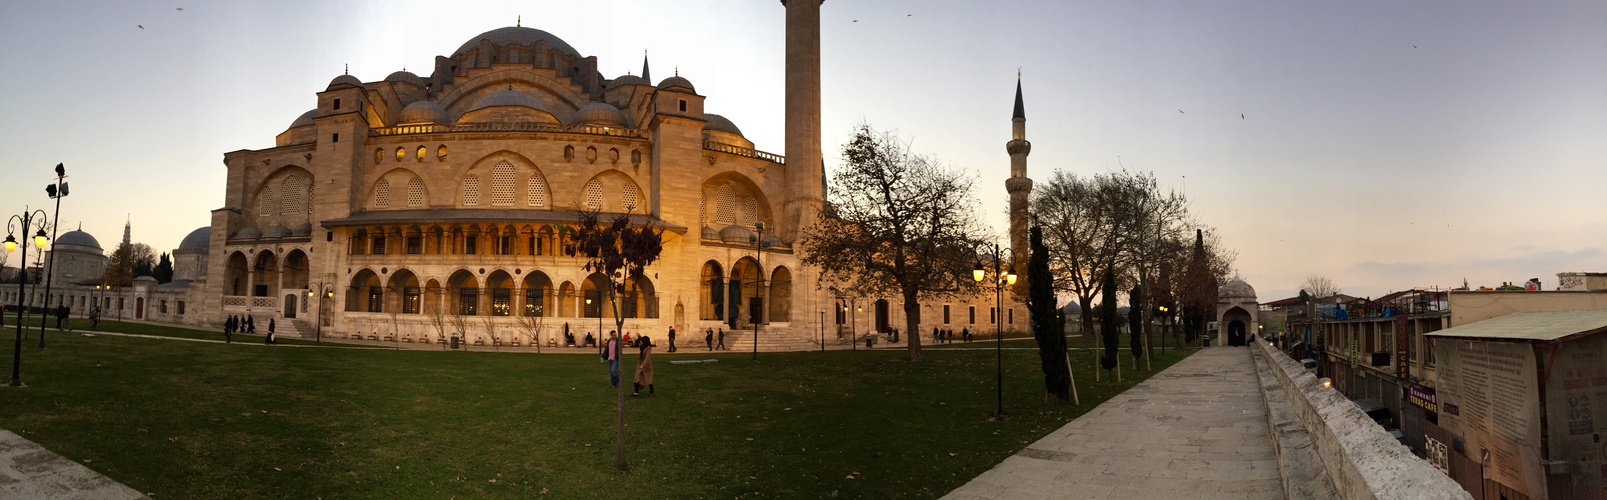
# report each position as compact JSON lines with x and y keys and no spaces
{"x":735,"y":234}
{"x":514,"y":35}
{"x":79,"y":238}
{"x":345,"y":80}
{"x":509,"y":98}
{"x":628,"y":80}
{"x":199,"y":239}
{"x":305,"y":119}
{"x":720,"y":124}
{"x":677,"y":82}
{"x":405,"y":76}
{"x":773,"y":241}
{"x":710,"y":234}
{"x":1236,"y":289}
{"x":424,"y":111}
{"x":277,"y":231}
{"x":246,"y":233}
{"x":600,"y":113}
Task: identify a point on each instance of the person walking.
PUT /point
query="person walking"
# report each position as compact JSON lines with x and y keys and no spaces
{"x":672,"y":340}
{"x":644,"y":368}
{"x":270,"y":339}
{"x":251,"y":325}
{"x":721,"y":346}
{"x":611,"y":356}
{"x":94,"y":318}
{"x":708,"y":338}
{"x":61,"y":316}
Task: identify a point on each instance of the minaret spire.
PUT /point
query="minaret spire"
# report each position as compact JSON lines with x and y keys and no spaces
{"x":128,"y":228}
{"x":1019,"y":186}
{"x":645,"y":75}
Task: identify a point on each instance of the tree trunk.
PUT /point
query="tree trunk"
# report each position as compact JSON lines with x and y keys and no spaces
{"x":912,"y":324}
{"x":1087,"y":315}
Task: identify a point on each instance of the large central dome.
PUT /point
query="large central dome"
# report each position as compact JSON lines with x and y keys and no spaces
{"x":514,"y":35}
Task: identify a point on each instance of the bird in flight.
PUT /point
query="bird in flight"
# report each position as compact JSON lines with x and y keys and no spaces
{"x":1241,"y":116}
{"x":181,"y":8}
{"x":141,"y":26}
{"x":1181,"y":111}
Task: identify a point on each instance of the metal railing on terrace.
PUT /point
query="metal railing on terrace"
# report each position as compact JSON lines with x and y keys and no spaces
{"x":447,"y":128}
{"x":742,"y":151}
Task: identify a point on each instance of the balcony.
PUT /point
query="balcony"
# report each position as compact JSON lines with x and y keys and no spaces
{"x":742,"y":151}
{"x":552,"y":128}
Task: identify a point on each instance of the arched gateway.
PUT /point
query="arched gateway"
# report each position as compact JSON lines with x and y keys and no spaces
{"x":1235,"y":313}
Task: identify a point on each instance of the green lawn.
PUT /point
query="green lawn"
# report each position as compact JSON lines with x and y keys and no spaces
{"x":31,"y":327}
{"x":201,"y":420}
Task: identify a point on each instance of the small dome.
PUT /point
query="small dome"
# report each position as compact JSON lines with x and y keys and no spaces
{"x":305,"y":229}
{"x":345,"y":80}
{"x":772,"y":241}
{"x":509,"y":98}
{"x":247,"y":233}
{"x":305,"y":119}
{"x":513,"y":35}
{"x":424,"y":111}
{"x":277,"y":231}
{"x":710,"y":234}
{"x":600,"y":113}
{"x":628,"y":80}
{"x":735,"y":234}
{"x":677,"y":82}
{"x":720,"y":124}
{"x":405,"y":76}
{"x":79,"y":238}
{"x":1236,"y":289}
{"x":199,"y":239}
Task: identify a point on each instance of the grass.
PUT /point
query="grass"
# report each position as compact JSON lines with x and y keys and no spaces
{"x":31,"y":328}
{"x":202,"y":420}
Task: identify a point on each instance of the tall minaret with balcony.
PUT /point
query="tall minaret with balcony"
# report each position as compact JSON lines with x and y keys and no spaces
{"x":1019,"y":187}
{"x":805,"y":179}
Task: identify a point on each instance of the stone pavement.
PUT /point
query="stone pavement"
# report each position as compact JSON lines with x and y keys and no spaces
{"x":28,"y":471}
{"x":1197,"y":430}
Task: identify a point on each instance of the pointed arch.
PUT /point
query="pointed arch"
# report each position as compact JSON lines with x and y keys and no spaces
{"x":711,"y":291}
{"x":614,"y":191}
{"x":537,"y":294}
{"x":781,"y":294}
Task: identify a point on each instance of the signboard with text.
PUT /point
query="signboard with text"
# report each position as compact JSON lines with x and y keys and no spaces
{"x":1355,"y":354}
{"x":1438,"y":454}
{"x":1422,"y":397}
{"x":1403,"y":367}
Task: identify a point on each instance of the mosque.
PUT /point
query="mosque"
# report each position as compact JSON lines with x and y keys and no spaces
{"x":417,"y":207}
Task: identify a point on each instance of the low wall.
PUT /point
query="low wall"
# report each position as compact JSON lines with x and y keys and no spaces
{"x":1362,"y":460}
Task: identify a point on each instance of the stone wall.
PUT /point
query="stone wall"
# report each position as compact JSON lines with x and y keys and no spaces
{"x":1362,"y":460}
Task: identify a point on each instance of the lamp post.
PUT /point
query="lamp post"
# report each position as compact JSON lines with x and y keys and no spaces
{"x":999,"y":282}
{"x":600,"y":341}
{"x":1166,"y":321}
{"x":326,"y":290}
{"x":28,"y":218}
{"x":58,"y":190}
{"x":758,"y":251}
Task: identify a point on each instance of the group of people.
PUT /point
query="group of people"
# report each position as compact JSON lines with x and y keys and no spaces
{"x":709,"y":338}
{"x":946,"y":336}
{"x":644,"y":361}
{"x":248,"y":325}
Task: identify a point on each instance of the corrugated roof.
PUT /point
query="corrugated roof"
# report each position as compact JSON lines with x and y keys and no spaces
{"x":1533,"y":325}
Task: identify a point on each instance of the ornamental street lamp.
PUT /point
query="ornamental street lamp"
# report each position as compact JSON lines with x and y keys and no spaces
{"x":327,"y":291}
{"x":978,"y":273}
{"x":58,"y":190}
{"x":28,"y":218}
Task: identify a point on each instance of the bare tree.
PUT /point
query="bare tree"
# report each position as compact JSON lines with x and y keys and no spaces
{"x":1319,"y":286}
{"x":490,"y":324}
{"x":896,"y":222}
{"x":434,"y":311}
{"x":531,"y":323}
{"x":459,"y":320}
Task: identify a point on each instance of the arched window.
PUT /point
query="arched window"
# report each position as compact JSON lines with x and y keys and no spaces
{"x":401,"y":154}
{"x":594,"y":195}
{"x":382,"y":194}
{"x":750,"y":211}
{"x":471,"y":191}
{"x":440,"y":152}
{"x":725,"y":208}
{"x":379,"y":155}
{"x":536,"y":191}
{"x":415,"y":193}
{"x":502,"y":184}
{"x":265,"y":202}
{"x":291,"y":195}
{"x":422,"y":151}
{"x":631,"y":197}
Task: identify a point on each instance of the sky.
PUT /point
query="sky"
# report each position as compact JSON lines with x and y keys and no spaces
{"x":1383,"y":144}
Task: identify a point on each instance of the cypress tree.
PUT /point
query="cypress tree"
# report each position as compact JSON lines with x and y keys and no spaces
{"x":1047,"y":325}
{"x":1109,"y":330}
{"x":1135,"y":322}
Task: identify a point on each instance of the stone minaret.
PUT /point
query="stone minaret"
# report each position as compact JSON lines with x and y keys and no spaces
{"x":1019,"y":186}
{"x":805,"y":172}
{"x":128,"y":227}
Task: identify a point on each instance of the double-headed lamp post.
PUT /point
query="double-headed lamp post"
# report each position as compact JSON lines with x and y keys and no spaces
{"x":1000,"y":280}
{"x":325,"y":290}
{"x":57,"y":191}
{"x":28,"y":218}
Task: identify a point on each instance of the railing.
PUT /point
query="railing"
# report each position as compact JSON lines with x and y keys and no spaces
{"x":742,"y":151}
{"x":447,"y":128}
{"x":234,"y":301}
{"x":265,"y":302}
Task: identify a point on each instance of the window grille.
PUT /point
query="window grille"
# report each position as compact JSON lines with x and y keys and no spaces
{"x":725,"y":206}
{"x":265,"y":202}
{"x":415,"y":193}
{"x":536,"y":191}
{"x":471,"y":191}
{"x":502,"y":184}
{"x":631,"y":197}
{"x":291,"y":195}
{"x":382,"y":194}
{"x":594,"y":195}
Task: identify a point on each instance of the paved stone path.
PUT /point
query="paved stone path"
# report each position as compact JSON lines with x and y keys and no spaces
{"x":1197,"y":430}
{"x":28,"y":471}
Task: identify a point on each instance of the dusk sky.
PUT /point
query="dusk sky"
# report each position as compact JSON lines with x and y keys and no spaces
{"x":1387,"y":145}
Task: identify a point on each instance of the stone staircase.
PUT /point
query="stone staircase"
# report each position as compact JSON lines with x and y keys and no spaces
{"x":290,"y":328}
{"x":769,"y":341}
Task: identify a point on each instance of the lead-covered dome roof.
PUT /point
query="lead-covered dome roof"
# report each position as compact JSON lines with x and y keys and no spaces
{"x":720,"y":124}
{"x":514,"y":35}
{"x":405,"y":76}
{"x":509,"y":98}
{"x":79,"y":238}
{"x":1236,"y":289}
{"x":628,"y":80}
{"x":677,"y":82}
{"x":345,"y":80}
{"x":600,"y":113}
{"x":199,"y":239}
{"x":424,"y":111}
{"x":305,"y":119}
